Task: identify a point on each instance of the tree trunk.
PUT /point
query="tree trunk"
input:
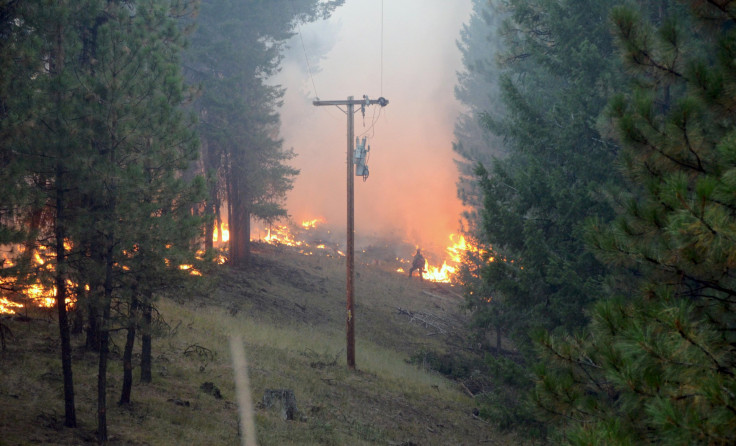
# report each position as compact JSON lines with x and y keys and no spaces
{"x":102,"y":384}
{"x":76,"y":316}
{"x":211,"y":208}
{"x":128,"y":353}
{"x":246,"y":236}
{"x":239,"y":238}
{"x":146,"y":340}
{"x":104,"y":345}
{"x":70,"y":417}
{"x":209,"y":232}
{"x":92,"y":342}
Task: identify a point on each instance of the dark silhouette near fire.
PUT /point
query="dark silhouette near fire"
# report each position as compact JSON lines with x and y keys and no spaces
{"x":418,"y":264}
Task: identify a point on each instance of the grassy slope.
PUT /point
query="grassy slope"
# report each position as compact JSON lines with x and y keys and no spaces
{"x":289,"y":310}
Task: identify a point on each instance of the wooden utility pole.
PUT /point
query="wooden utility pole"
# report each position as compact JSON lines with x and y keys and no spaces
{"x":350,"y":103}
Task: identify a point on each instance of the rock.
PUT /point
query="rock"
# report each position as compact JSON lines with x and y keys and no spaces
{"x":287,"y":399}
{"x":179,"y":402}
{"x":211,"y":388}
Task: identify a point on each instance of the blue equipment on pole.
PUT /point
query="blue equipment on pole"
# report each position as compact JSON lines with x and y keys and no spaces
{"x":360,"y":156}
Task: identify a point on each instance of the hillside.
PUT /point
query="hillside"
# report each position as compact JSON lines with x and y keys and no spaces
{"x":289,"y":310}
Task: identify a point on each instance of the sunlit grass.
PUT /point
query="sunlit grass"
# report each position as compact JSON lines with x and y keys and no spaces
{"x":294,"y":338}
{"x":383,"y":362}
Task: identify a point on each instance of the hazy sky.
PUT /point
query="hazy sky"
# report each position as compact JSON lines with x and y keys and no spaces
{"x":411,"y":189}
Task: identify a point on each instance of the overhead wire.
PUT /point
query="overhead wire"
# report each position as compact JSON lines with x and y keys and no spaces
{"x":374,"y":119}
{"x":381,"y":48}
{"x":306,"y":58}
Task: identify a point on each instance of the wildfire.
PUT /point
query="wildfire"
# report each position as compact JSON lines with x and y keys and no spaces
{"x":459,"y":247}
{"x":311,"y":224}
{"x":280,"y":234}
{"x":221,"y":234}
{"x":40,"y":295}
{"x":192,"y":270}
{"x":37,"y":294}
{"x":7,"y":306}
{"x":444,"y":274}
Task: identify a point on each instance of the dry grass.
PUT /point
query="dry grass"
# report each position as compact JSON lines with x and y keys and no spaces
{"x":289,"y":311}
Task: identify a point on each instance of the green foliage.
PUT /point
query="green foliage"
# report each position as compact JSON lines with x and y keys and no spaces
{"x":235,"y":49}
{"x":506,"y":406}
{"x":479,"y":91}
{"x":656,"y":365}
{"x":558,"y":75}
{"x":451,"y":365}
{"x":560,"y":71}
{"x":95,"y":146}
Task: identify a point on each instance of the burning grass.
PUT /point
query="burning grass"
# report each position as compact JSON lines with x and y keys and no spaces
{"x":311,"y":237}
{"x":289,"y":309}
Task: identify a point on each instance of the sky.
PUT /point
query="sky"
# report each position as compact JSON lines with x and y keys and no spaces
{"x":411,"y":192}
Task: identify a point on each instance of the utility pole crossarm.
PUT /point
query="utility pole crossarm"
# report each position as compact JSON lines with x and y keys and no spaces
{"x":380,"y":101}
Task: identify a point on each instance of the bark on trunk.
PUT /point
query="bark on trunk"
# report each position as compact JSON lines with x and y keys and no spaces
{"x":76,"y":316}
{"x":104,"y":345}
{"x":146,"y":341}
{"x":70,"y":417}
{"x":92,"y":342}
{"x":238,"y":224}
{"x":128,"y":353}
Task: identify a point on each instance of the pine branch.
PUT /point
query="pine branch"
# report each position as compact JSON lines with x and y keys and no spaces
{"x":719,"y":367}
{"x":723,"y":7}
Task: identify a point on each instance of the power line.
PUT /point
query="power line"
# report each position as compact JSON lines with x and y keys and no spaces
{"x":309,"y":68}
{"x":381,"y":48}
{"x":374,"y":119}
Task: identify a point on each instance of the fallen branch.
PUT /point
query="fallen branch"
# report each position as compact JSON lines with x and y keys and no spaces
{"x":202,"y":352}
{"x":440,"y":325}
{"x":433,"y":295}
{"x":467,"y":390}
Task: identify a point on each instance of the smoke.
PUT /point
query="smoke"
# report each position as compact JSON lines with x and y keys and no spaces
{"x":411,"y":191}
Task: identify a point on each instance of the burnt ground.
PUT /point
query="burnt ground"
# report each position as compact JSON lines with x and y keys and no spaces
{"x":405,"y":318}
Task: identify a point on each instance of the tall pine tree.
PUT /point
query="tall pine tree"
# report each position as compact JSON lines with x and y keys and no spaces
{"x":558,"y":69}
{"x":137,"y":209}
{"x":658,"y":366}
{"x":235,"y":50}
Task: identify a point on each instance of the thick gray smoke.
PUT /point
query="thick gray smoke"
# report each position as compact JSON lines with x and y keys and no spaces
{"x":411,"y":192}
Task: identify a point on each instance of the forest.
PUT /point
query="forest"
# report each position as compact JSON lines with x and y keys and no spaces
{"x":594,"y":302}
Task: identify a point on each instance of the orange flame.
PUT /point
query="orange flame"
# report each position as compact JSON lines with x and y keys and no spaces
{"x":281,"y":235}
{"x":442,"y":274}
{"x":8,"y":306}
{"x":445,"y":273}
{"x":221,"y":234}
{"x":192,"y":271}
{"x":311,"y":224}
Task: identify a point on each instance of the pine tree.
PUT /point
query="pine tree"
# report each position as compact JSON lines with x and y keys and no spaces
{"x":94,"y":141}
{"x":658,"y":366}
{"x":558,"y":71}
{"x":237,"y":46}
{"x":556,"y":85}
{"x":135,"y":219}
{"x":478,"y":89}
{"x":50,"y":161}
